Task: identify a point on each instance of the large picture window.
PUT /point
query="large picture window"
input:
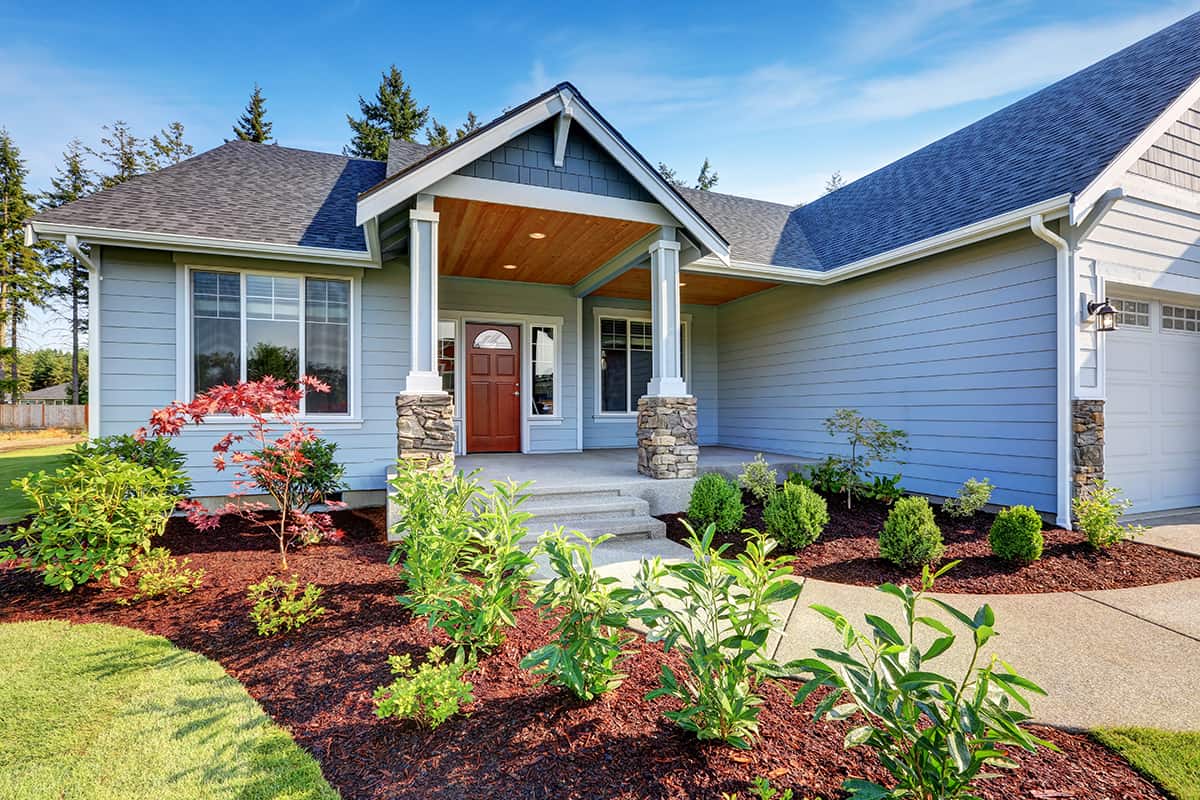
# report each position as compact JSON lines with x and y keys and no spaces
{"x":626,"y":351}
{"x":247,"y":326}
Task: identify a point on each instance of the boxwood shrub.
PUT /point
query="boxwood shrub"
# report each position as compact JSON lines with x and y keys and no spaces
{"x":910,"y":537}
{"x":796,"y":515}
{"x":1016,"y":535}
{"x":716,"y":501}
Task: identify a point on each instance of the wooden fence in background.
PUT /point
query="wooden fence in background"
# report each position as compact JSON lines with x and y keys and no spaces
{"x":38,"y":416}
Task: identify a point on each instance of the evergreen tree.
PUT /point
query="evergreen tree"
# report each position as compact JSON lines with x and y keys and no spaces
{"x":437,"y":134}
{"x":670,"y":175}
{"x":167,"y":147}
{"x":253,"y":126}
{"x":470,"y":126}
{"x":124,"y":153}
{"x":708,"y":177}
{"x":22,"y":281}
{"x":835,"y":182}
{"x":69,"y":277}
{"x":393,"y":114}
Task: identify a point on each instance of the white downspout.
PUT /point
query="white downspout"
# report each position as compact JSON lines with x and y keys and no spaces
{"x":1064,"y":371}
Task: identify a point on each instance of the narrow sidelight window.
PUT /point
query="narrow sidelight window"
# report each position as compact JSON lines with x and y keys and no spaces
{"x":542,"y":358}
{"x":327,"y":344}
{"x":216,"y":329}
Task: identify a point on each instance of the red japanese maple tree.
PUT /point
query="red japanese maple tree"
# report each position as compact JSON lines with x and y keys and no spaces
{"x":274,"y":464}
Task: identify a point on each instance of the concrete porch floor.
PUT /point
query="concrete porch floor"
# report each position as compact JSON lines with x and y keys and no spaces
{"x":616,"y":468}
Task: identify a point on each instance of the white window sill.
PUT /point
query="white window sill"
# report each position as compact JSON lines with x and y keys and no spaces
{"x":319,"y":422}
{"x":615,"y":417}
{"x":546,"y":420}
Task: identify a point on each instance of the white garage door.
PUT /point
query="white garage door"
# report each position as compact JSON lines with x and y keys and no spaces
{"x":1152,"y":413}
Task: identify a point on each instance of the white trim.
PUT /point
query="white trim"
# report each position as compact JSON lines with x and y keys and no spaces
{"x":525,"y":322}
{"x":640,"y":315}
{"x":579,"y":373}
{"x":562,"y":129}
{"x":464,"y":187}
{"x":203,"y":244}
{"x":959,"y":237}
{"x":1139,"y":187}
{"x":1115,"y":173}
{"x":95,"y":341}
{"x":185,"y":378}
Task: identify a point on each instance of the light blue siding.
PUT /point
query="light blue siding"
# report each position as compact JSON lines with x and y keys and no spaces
{"x":607,"y":431}
{"x":958,"y":350}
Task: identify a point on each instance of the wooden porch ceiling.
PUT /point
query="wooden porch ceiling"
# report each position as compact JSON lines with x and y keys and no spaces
{"x":477,"y":239}
{"x":696,"y":288}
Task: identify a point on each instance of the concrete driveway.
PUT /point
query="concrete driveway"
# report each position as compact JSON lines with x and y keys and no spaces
{"x":1174,"y":530}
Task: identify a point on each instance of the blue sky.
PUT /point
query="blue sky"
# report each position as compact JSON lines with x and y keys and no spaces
{"x":777,"y":96}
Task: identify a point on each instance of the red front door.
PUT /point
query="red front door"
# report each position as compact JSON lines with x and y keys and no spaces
{"x":493,"y":388}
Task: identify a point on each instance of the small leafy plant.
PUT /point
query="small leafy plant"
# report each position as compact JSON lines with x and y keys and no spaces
{"x":429,"y":694}
{"x":716,"y":501}
{"x":590,"y":635}
{"x":972,"y":497}
{"x":1016,"y":535}
{"x":830,"y":478}
{"x":1099,"y":516}
{"x":761,"y":789}
{"x":758,"y":478}
{"x":159,"y":575}
{"x":91,"y":518}
{"x":883,"y":489}
{"x":869,"y":441}
{"x":937,"y":735}
{"x":717,"y":611}
{"x":155,"y":452}
{"x":435,"y":509}
{"x":280,"y":605}
{"x":910,"y":536}
{"x":796,"y":515}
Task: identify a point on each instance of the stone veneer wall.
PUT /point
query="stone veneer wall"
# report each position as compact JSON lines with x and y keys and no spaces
{"x":1087,"y":444}
{"x":666,"y":436}
{"x":425,"y":428}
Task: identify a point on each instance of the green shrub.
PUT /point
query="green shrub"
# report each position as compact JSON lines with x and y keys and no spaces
{"x":758,"y":479}
{"x":1099,"y":516}
{"x":160,"y":575}
{"x":1016,"y":535}
{"x":717,"y":610}
{"x":910,"y":537}
{"x":486,"y":569}
{"x":796,"y":515}
{"x":281,"y":606}
{"x":590,"y":634}
{"x":972,"y":497}
{"x":320,"y":477}
{"x":716,"y":501}
{"x":91,"y":518}
{"x":937,"y":735}
{"x":869,"y":440}
{"x":830,"y":478}
{"x":429,"y":695}
{"x":155,"y":452}
{"x":882,"y":489}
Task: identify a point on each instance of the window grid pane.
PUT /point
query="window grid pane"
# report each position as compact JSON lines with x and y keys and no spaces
{"x":1133,"y":313}
{"x":327,"y":344}
{"x":1180,"y":318}
{"x":446,"y":354}
{"x":216,"y":329}
{"x":542,"y":363}
{"x":614,"y":366}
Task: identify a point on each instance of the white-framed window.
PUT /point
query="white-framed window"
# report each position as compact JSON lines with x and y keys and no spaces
{"x":1180,"y":318}
{"x":247,"y":325}
{"x":1132,"y":313}
{"x":543,"y":344}
{"x":624,"y":353}
{"x":447,"y":353}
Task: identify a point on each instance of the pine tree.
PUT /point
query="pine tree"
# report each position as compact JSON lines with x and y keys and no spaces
{"x":470,"y":126}
{"x":167,"y":147}
{"x":670,"y":175}
{"x":253,"y":126}
{"x":392,"y":115}
{"x":436,"y":134}
{"x":124,"y":153}
{"x":835,"y":182}
{"x":708,"y":177}
{"x":70,"y":279}
{"x":22,"y":281}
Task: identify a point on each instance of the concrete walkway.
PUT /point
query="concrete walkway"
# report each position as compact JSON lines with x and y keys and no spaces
{"x":1174,"y":530}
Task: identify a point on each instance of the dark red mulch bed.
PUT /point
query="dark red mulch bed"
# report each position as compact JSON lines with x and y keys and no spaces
{"x":848,"y":552}
{"x":519,"y":741}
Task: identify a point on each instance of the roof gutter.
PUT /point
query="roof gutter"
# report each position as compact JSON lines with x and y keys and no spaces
{"x":968,"y":234}
{"x":1064,"y":325}
{"x":73,"y":248}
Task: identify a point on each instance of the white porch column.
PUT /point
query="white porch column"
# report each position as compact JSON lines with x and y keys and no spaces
{"x":423,"y":376}
{"x":666,"y":359}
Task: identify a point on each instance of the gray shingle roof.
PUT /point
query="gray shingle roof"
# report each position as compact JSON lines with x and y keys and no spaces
{"x":401,"y":154}
{"x":756,"y":230}
{"x":240,"y":190}
{"x":1053,"y":142}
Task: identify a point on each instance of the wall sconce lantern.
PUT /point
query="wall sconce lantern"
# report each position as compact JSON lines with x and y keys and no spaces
{"x":1104,"y":314}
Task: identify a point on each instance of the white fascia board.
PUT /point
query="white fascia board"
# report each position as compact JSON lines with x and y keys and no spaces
{"x":520,"y":194}
{"x":392,"y":194}
{"x":1054,"y":208}
{"x":201,"y":244}
{"x":1114,"y":173}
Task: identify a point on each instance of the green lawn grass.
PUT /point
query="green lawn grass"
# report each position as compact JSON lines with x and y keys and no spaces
{"x":1172,"y":760}
{"x":97,"y":712}
{"x":16,"y":463}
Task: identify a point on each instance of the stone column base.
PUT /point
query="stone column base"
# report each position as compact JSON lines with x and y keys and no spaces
{"x":666,"y":434}
{"x":425,"y":428}
{"x":1087,"y":445}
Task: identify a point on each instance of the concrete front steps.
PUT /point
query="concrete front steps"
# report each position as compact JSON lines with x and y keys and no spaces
{"x":590,"y":511}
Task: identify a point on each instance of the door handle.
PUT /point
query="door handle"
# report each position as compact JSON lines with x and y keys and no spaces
{"x":516,"y":394}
